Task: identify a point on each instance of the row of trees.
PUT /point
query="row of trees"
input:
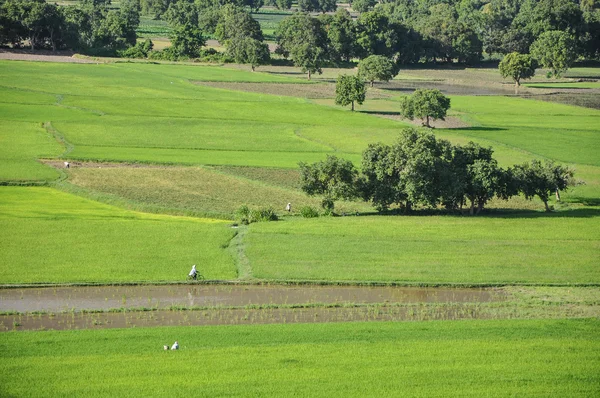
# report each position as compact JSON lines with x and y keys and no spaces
{"x":419,"y":169}
{"x":90,"y":26}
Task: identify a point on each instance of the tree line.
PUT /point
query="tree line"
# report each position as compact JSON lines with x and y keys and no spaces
{"x":91,"y":26}
{"x":420,"y":170}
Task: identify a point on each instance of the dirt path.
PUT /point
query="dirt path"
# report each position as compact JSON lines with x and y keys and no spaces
{"x":44,"y":56}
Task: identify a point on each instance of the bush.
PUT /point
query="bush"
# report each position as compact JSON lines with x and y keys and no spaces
{"x":246,"y":216}
{"x":140,"y":50}
{"x":309,"y":212}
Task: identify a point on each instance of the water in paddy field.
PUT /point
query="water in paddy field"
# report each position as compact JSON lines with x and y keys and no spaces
{"x":64,"y":307}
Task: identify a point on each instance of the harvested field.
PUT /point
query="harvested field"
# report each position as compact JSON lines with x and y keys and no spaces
{"x":311,"y":91}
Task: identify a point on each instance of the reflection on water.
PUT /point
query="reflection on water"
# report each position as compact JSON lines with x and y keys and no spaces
{"x":57,"y":299}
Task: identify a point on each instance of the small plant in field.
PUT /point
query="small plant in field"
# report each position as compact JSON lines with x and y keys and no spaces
{"x":309,"y":212}
{"x":246,"y":216}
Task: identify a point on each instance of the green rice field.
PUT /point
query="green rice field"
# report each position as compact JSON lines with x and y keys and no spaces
{"x":441,"y":358}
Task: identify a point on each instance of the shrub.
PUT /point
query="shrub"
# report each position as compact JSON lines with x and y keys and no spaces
{"x":246,"y":216}
{"x":309,"y":212}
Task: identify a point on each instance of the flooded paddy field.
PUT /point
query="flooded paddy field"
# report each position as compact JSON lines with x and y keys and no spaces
{"x":98,"y":307}
{"x":58,"y":299}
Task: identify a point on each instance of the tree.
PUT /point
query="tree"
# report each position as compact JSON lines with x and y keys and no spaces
{"x":363,"y":5}
{"x":186,"y":37}
{"x":303,"y":39}
{"x":376,"y":67}
{"x":317,"y":5}
{"x":341,"y":34}
{"x":349,"y":89}
{"x":555,"y":50}
{"x":517,"y":66}
{"x":334,"y":178}
{"x":425,"y":104}
{"x":376,"y":34}
{"x":235,"y":21}
{"x":246,"y":50}
{"x":543,"y":179}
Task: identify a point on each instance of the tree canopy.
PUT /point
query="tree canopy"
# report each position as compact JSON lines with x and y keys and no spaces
{"x":517,"y":66}
{"x":425,"y":104}
{"x":348,"y":90}
{"x":376,"y":67}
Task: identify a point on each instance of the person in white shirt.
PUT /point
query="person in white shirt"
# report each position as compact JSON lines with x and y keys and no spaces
{"x":193,"y":272}
{"x":288,"y":208}
{"x":175,"y":346}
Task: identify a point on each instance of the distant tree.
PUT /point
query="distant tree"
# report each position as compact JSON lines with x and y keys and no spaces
{"x":349,"y":89}
{"x":543,"y":179}
{"x":302,"y":38}
{"x":235,"y":21}
{"x":246,"y":50}
{"x":186,"y":37}
{"x":341,"y":34}
{"x":317,"y":5}
{"x":280,"y":4}
{"x":376,"y":34}
{"x":555,"y":50}
{"x":334,"y":178}
{"x":380,"y":177}
{"x":517,"y":66}
{"x":363,"y":5}
{"x":376,"y":67}
{"x":425,"y":104}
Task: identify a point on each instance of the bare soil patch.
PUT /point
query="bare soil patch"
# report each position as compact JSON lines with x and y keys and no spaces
{"x":310,"y":91}
{"x":44,"y":56}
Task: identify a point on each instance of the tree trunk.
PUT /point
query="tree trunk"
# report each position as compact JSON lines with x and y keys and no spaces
{"x":371,"y":83}
{"x":472,"y":209}
{"x":252,"y":68}
{"x":557,"y":195}
{"x":352,"y":106}
{"x":546,"y":205}
{"x":427,"y":123}
{"x":480,"y":204}
{"x":309,"y":74}
{"x":31,"y":42}
{"x":408,"y":207}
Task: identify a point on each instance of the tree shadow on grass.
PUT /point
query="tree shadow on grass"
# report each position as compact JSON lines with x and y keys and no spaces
{"x":381,"y":113}
{"x":480,"y":128}
{"x":488,"y":213}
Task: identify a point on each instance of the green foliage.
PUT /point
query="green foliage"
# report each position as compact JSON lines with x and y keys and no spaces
{"x":334,"y":178}
{"x":543,"y":179}
{"x":349,"y":89}
{"x":363,"y":5}
{"x":341,"y":35}
{"x":376,"y":67}
{"x":140,"y":50}
{"x":425,"y":104}
{"x":235,"y":22}
{"x":303,"y":39}
{"x":517,"y":66}
{"x":186,"y":35}
{"x":246,"y":50}
{"x":246,"y":216}
{"x":555,"y":50}
{"x":317,"y":5}
{"x":309,"y":212}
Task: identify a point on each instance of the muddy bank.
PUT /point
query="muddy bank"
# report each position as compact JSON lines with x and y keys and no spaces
{"x":58,"y":299}
{"x":75,"y":320}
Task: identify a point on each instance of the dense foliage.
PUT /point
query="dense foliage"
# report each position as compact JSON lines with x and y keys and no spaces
{"x":90,"y":26}
{"x":349,"y":89}
{"x":419,"y":169}
{"x":425,"y":104}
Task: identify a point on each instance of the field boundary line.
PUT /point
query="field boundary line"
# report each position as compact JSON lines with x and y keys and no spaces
{"x":237,"y":249}
{"x":282,"y":282}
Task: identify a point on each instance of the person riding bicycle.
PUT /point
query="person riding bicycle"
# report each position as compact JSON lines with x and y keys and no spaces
{"x":193,"y":273}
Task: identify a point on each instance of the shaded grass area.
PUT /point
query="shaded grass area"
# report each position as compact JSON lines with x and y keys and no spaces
{"x":561,"y":249}
{"x":51,"y":236}
{"x":201,"y":190}
{"x":466,"y":358}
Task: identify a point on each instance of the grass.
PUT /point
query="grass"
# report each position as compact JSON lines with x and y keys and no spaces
{"x":450,"y":358}
{"x":51,"y":236}
{"x":561,"y":249}
{"x":201,"y":190}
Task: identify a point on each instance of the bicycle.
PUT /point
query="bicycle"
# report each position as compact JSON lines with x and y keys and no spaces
{"x":199,"y":277}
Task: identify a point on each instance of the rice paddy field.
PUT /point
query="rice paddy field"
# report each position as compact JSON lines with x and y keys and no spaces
{"x":160,"y":162}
